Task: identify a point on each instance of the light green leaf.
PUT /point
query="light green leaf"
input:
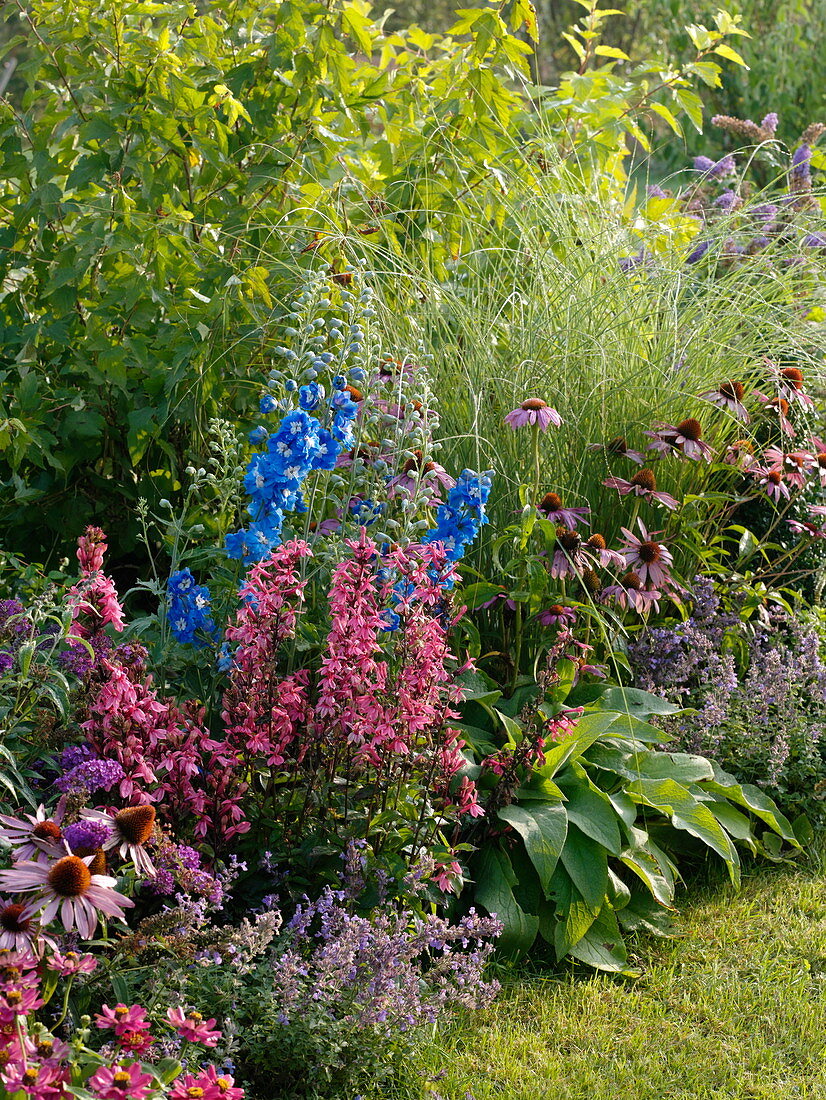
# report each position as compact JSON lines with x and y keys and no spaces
{"x":543,"y":830}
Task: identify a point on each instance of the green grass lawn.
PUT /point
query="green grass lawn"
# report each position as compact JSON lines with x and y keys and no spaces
{"x":735,"y":1006}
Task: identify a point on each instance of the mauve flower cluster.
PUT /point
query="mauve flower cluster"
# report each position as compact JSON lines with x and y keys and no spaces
{"x":15,"y":627}
{"x":390,"y":971}
{"x":760,"y":709}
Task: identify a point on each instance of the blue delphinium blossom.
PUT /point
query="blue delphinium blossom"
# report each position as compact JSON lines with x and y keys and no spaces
{"x":267,"y":404}
{"x":189,"y":610}
{"x":460,"y":518}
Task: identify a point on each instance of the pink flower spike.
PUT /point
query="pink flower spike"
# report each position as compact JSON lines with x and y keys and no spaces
{"x":91,"y":547}
{"x":122,"y":1083}
{"x":193,"y":1027}
{"x":533,"y":411}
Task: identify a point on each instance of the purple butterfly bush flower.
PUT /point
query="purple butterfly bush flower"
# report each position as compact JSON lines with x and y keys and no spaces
{"x":715,"y":169}
{"x":533,"y":411}
{"x":769,"y":123}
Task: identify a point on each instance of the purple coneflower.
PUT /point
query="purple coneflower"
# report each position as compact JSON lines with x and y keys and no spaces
{"x":642,"y":484}
{"x":556,"y":615}
{"x":552,"y":508}
{"x":533,"y":411}
{"x":618,"y":446}
{"x":67,"y":886}
{"x":780,"y":406}
{"x":596,"y":548}
{"x":422,"y":475}
{"x":819,"y":456}
{"x":568,"y":559}
{"x":796,"y":465}
{"x":790,"y":383}
{"x":685,"y":437}
{"x":740,"y":453}
{"x":629,"y":592}
{"x":801,"y":527}
{"x":646,"y":557}
{"x":35,"y":836}
{"x":729,"y":396}
{"x":19,"y":926}
{"x":131,"y":829}
{"x":771,"y":481}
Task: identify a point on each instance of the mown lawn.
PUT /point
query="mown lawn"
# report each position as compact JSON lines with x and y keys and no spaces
{"x":735,"y":1006}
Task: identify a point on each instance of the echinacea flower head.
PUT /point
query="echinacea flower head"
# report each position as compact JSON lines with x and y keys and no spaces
{"x":729,"y":396}
{"x":19,"y":925}
{"x":648,"y":558}
{"x":121,"y":1082}
{"x":618,"y":446}
{"x":533,"y":411}
{"x":131,"y":828}
{"x":596,"y":549}
{"x":193,"y":1027}
{"x":552,"y":508}
{"x":740,"y":453}
{"x":780,"y":407}
{"x":629,"y":592}
{"x":556,"y":615}
{"x":642,"y":484}
{"x":568,"y":559}
{"x":67,"y":886}
{"x":772,"y":481}
{"x":33,"y":836}
{"x":685,"y":438}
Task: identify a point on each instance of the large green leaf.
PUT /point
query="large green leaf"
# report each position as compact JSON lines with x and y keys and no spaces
{"x":589,"y":809}
{"x":586,"y":861}
{"x":588,"y":729}
{"x":652,"y":866}
{"x":753,"y":799}
{"x":685,"y":812}
{"x":543,"y":830}
{"x":568,"y":918}
{"x":495,"y":880}
{"x":682,"y":767}
{"x":602,"y":946}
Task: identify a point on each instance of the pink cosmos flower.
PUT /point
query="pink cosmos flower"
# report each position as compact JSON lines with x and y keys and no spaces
{"x":771,"y":481}
{"x":684,"y":438}
{"x":36,"y":837}
{"x":71,"y":963}
{"x":552,"y":508}
{"x":123,"y":1018}
{"x":629,"y":592}
{"x":533,"y":411}
{"x":642,"y":484}
{"x":131,"y":829}
{"x":69,"y":887}
{"x":556,"y":615}
{"x":646,"y":557}
{"x":729,"y":396}
{"x":122,"y":1083}
{"x":193,"y":1027}
{"x":618,"y":446}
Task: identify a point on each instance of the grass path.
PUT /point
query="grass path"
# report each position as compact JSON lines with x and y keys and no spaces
{"x":735,"y":1007}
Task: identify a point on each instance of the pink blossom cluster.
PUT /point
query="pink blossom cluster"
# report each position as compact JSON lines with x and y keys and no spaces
{"x":93,"y":599}
{"x":382,"y":702}
{"x":37,"y":1065}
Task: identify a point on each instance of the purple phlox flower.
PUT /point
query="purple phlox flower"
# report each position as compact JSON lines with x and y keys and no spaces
{"x":685,"y":438}
{"x":648,"y":558}
{"x":552,"y":508}
{"x":729,"y":395}
{"x":642,"y":484}
{"x":533,"y":411}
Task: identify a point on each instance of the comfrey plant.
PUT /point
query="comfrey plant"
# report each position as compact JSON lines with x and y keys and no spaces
{"x":758,"y":707}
